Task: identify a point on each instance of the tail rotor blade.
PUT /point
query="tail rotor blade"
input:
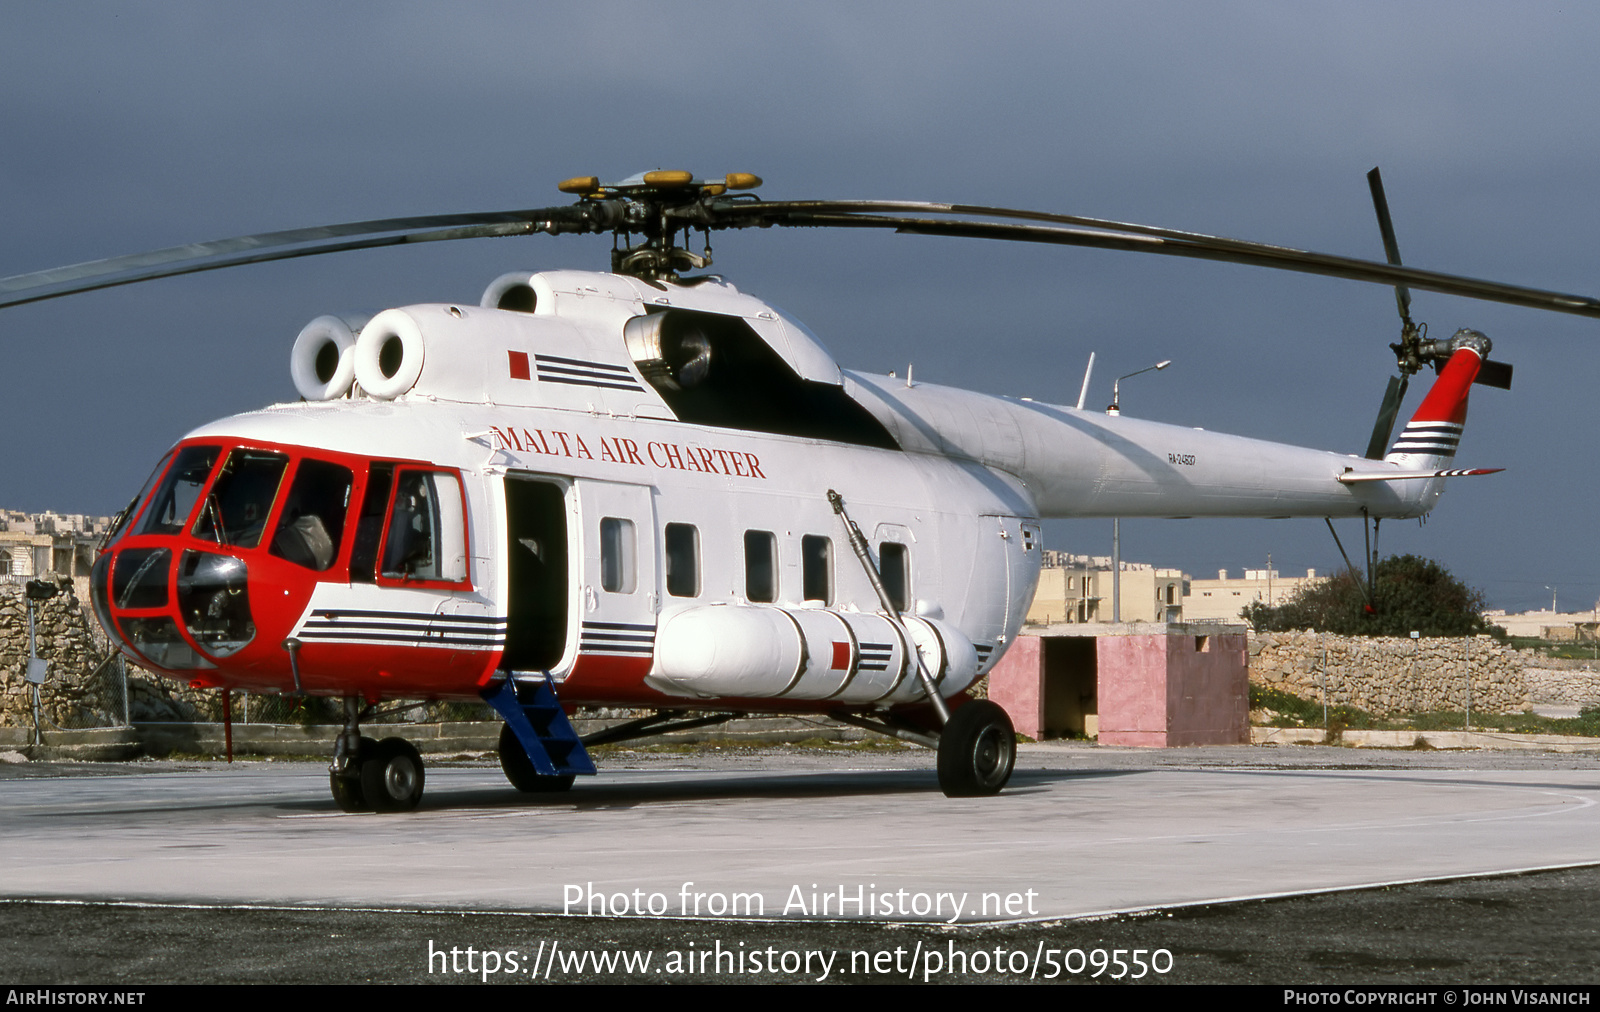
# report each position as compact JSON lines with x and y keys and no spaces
{"x":1391,"y":248}
{"x":1494,"y":374}
{"x":1383,"y":428}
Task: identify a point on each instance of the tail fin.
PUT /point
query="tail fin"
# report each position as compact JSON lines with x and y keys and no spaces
{"x":1430,"y":438}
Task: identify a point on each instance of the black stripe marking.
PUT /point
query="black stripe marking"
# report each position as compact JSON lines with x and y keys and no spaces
{"x":1425,"y":449}
{"x":591,"y":383}
{"x":583,"y":363}
{"x":413,"y":639}
{"x":554,"y":369}
{"x":627,"y":638}
{"x":424,"y":629}
{"x":335,"y":614}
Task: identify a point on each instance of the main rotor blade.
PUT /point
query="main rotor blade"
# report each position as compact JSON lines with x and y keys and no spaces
{"x":1391,"y":248}
{"x":205,"y":256}
{"x":741,"y":214}
{"x":1145,"y":239}
{"x":622,"y":214}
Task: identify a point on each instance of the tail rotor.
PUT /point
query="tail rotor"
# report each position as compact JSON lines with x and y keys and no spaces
{"x":1414,"y":349}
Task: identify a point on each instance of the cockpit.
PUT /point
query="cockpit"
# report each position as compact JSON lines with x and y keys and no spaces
{"x":217,"y":557}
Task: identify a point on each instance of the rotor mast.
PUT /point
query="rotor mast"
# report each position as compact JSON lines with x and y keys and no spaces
{"x":657,"y":206}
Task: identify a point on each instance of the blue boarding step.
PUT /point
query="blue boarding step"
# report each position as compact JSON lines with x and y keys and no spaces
{"x":534,"y":714}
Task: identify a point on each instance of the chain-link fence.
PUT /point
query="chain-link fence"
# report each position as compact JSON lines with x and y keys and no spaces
{"x":250,"y":708}
{"x":102,"y":698}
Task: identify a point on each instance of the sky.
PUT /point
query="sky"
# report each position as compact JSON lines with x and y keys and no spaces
{"x":135,"y":126}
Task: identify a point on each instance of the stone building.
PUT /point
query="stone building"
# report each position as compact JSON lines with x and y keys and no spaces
{"x":1077,"y":589}
{"x":50,"y":544}
{"x":1223,"y":599}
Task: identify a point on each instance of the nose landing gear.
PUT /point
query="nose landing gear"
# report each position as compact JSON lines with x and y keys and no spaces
{"x":371,"y":775}
{"x":344,"y":775}
{"x":391,"y":780}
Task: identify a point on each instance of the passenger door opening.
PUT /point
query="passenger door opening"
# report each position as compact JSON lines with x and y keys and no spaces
{"x":536,"y":528}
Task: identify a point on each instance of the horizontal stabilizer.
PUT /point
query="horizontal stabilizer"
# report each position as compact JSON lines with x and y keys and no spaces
{"x":1354,"y":477}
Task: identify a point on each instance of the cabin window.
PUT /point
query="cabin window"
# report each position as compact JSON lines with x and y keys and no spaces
{"x":761,"y":566}
{"x":426,"y":537}
{"x":175,"y":497}
{"x":894,"y":566}
{"x":683,"y":560}
{"x":617,"y":565}
{"x":235,"y":510}
{"x":816,"y":568}
{"x":311,"y":527}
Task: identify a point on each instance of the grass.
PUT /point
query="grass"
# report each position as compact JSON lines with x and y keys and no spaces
{"x":1571,"y":650}
{"x":1292,"y":711}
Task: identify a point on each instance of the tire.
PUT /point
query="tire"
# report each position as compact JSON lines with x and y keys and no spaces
{"x":391,"y":780}
{"x":519,"y":768}
{"x":976,"y":751}
{"x":347,"y":793}
{"x":346,"y":788}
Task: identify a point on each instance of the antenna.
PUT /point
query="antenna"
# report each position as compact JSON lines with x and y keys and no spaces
{"x":1087,"y":372}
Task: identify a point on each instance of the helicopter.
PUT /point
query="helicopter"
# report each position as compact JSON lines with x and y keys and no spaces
{"x":646,"y":488}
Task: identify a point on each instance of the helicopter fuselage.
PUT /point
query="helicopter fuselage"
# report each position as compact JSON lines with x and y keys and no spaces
{"x":625,"y":484}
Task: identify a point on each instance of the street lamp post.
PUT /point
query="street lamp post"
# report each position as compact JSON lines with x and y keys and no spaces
{"x":1116,"y":522}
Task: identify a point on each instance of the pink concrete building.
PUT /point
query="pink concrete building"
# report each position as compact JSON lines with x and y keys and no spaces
{"x":1152,"y":683}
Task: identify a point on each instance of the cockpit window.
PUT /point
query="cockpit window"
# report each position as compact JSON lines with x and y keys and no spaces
{"x":235,"y":511}
{"x":121,"y":521}
{"x":427,"y":529}
{"x":312,"y":523}
{"x":175,"y":497}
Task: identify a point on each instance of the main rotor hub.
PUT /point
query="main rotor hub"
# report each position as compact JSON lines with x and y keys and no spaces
{"x":657,"y":206}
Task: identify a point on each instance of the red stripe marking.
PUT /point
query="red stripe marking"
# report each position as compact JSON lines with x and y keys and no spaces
{"x":1447,"y":401}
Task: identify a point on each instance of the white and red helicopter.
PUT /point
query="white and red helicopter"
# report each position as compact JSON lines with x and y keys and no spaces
{"x":652,"y":490}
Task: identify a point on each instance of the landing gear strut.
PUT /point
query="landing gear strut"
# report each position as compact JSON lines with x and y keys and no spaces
{"x":370,"y":775}
{"x":345,"y":782}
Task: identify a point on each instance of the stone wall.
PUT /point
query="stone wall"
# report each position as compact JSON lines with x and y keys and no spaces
{"x":1563,"y":682}
{"x":65,"y":641}
{"x":1388,"y":674}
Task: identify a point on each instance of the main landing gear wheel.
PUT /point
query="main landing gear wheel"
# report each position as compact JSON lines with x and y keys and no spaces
{"x":346,"y":787}
{"x":976,"y":750}
{"x":391,"y":778}
{"x":519,"y":768}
